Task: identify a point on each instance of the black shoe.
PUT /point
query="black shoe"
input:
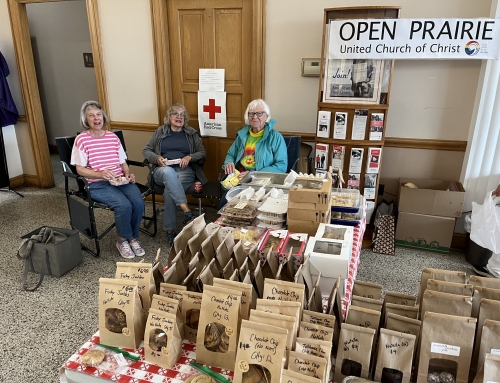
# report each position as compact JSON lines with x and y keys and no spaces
{"x":170,"y":237}
{"x":188,"y":216}
{"x":482,"y":271}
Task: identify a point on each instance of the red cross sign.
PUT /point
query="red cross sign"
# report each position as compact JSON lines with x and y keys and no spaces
{"x":211,"y":108}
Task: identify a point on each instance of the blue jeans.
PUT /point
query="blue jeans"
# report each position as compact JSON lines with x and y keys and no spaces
{"x":126,"y":202}
{"x":175,"y":181}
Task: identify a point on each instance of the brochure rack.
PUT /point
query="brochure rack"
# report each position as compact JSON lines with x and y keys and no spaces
{"x":357,"y":95}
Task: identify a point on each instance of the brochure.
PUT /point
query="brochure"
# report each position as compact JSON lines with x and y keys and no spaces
{"x":353,"y":181}
{"x":356,"y":160}
{"x":373,"y":160}
{"x":370,"y":186}
{"x":340,"y":127}
{"x":359,"y":124}
{"x":323,"y":124}
{"x":338,"y":157}
{"x":376,"y":126}
{"x":321,"y":158}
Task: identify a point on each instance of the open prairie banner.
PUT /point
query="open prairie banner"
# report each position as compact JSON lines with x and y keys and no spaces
{"x":414,"y":39}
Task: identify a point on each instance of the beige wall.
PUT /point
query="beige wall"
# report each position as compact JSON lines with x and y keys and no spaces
{"x":438,"y":104}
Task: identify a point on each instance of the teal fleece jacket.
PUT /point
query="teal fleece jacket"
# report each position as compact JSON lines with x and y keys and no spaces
{"x":270,"y":153}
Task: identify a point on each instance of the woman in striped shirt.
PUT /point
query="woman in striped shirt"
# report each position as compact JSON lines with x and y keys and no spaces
{"x":99,"y":157}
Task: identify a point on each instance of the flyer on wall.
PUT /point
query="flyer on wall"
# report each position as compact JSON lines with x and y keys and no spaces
{"x":376,"y":126}
{"x":338,"y":157}
{"x":373,"y":160}
{"x":323,"y":124}
{"x":370,"y":186}
{"x":359,"y":124}
{"x":356,"y":160}
{"x":353,"y":81}
{"x":321,"y":158}
{"x":340,"y":127}
{"x":353,"y":181}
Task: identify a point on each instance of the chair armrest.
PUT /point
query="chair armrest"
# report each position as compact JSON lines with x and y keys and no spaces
{"x":71,"y":175}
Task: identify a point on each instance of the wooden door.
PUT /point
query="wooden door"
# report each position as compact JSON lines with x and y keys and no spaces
{"x":214,"y":34}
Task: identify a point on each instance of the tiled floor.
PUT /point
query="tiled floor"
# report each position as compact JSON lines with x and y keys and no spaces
{"x":40,"y":330}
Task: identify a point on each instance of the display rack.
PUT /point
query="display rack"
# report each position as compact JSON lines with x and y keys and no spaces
{"x":334,"y":103}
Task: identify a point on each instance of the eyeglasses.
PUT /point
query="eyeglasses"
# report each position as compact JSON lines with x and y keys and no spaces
{"x":177,"y":114}
{"x":258,"y":114}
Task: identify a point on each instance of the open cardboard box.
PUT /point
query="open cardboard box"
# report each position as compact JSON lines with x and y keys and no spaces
{"x":424,"y":232}
{"x":433,"y":197}
{"x":309,"y":215}
{"x":331,"y":258}
{"x":312,"y":190}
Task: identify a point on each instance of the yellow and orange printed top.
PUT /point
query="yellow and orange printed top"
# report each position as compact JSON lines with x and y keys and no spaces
{"x":247,"y":161}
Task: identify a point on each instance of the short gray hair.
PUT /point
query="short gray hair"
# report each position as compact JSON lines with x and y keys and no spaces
{"x":83,"y":114}
{"x":253,"y":105}
{"x":172,"y":110}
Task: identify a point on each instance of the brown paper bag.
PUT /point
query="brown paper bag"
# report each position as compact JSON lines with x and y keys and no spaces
{"x":326,"y":320}
{"x":207,"y":275}
{"x":489,"y":343}
{"x":217,"y":336}
{"x":309,"y":365}
{"x":491,"y":283}
{"x":258,"y":281}
{"x":394,"y":357}
{"x":190,"y":310}
{"x":143,"y":274}
{"x":359,"y":316}
{"x":287,"y":271}
{"x":243,"y":270}
{"x":319,"y":348}
{"x":281,"y":307}
{"x":283,"y":291}
{"x":158,"y":270}
{"x":255,"y":295}
{"x":480,"y":293}
{"x":354,"y":351}
{"x":246,"y":294}
{"x":315,"y":302}
{"x":444,"y":303}
{"x":171,"y":276}
{"x":172,"y":291}
{"x":190,"y":281}
{"x":367,"y":289}
{"x":492,"y":369}
{"x":270,"y":265}
{"x":400,"y":298}
{"x":222,"y":256}
{"x":197,"y":265}
{"x":445,"y":346}
{"x":296,"y":377}
{"x":239,"y":254}
{"x":228,"y":269}
{"x":180,"y":242}
{"x":254,"y":257}
{"x":315,"y":331}
{"x":403,"y":324}
{"x":441,"y":275}
{"x":162,"y":339}
{"x":208,"y":248}
{"x":121,"y":317}
{"x":278,"y":320}
{"x":260,"y":348}
{"x":488,"y":309}
{"x":165,"y":304}
{"x":450,"y":287}
{"x":367,"y":303}
{"x":406,"y":311}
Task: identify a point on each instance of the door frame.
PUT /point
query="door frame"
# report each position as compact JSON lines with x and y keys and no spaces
{"x":159,"y":17}
{"x":29,"y":85}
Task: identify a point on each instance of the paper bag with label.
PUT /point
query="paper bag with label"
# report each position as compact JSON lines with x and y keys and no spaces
{"x":162,"y":339}
{"x":246,"y":294}
{"x":296,"y":377}
{"x":489,"y":343}
{"x":165,"y":304}
{"x":481,"y":292}
{"x":491,"y":283}
{"x":399,"y":298}
{"x":359,"y":316}
{"x":367,"y":289}
{"x":278,"y":320}
{"x":450,"y":287}
{"x":394,"y":357}
{"x":259,"y":355}
{"x":315,"y":331}
{"x":354,"y":351}
{"x":218,"y":327}
{"x":121,"y":317}
{"x":281,"y":307}
{"x":172,"y":292}
{"x":489,"y":309}
{"x":319,"y":348}
{"x":143,"y":274}
{"x":450,"y":304}
{"x":403,"y":324}
{"x":326,"y":320}
{"x":367,"y":303}
{"x":492,"y":368}
{"x":190,"y":310}
{"x":442,"y":351}
{"x":309,"y":365}
{"x":283,"y":291}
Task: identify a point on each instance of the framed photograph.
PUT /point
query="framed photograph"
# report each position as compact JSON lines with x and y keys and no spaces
{"x":353,"y":81}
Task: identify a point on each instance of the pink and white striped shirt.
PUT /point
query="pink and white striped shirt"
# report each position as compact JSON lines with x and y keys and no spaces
{"x":99,"y":154}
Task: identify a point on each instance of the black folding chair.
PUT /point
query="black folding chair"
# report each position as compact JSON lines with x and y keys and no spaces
{"x":80,"y":203}
{"x":293,"y":150}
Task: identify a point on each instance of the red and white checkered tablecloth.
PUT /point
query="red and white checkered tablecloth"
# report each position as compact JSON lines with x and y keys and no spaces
{"x":140,"y":371}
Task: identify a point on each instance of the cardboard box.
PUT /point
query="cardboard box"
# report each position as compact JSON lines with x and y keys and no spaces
{"x":302,"y":227}
{"x":304,"y":190}
{"x":432,"y":197}
{"x":331,"y":258}
{"x":309,"y":215}
{"x":424,"y":232}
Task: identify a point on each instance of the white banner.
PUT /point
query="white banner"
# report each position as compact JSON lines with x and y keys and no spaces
{"x":414,"y":39}
{"x":212,"y":113}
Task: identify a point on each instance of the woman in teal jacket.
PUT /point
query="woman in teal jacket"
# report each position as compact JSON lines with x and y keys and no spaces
{"x":257,"y":146}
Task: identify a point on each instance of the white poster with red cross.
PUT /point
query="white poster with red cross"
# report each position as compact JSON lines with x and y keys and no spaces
{"x":212,"y":113}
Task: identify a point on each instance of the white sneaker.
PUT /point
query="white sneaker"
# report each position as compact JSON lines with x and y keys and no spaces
{"x":125,"y":250}
{"x":136,"y":247}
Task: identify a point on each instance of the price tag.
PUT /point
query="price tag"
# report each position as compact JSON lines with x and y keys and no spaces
{"x":241,"y":205}
{"x":243,"y":230}
{"x":445,"y":349}
{"x":120,"y":359}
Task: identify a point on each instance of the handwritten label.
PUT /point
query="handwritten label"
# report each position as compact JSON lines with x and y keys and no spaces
{"x":312,"y":349}
{"x":351,"y":344}
{"x":177,"y":295}
{"x":393,"y":347}
{"x":445,"y":349}
{"x":307,"y":367}
{"x":223,"y":305}
{"x":120,"y":359}
{"x":240,"y":205}
{"x":283,"y":295}
{"x":495,"y":351}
